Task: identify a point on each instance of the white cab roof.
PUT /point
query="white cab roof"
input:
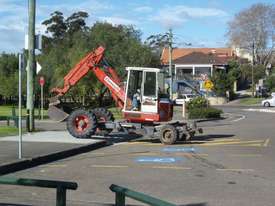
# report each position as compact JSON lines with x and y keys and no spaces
{"x":143,"y":69}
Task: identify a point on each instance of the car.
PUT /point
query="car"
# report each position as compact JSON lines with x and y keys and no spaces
{"x":269,"y":102}
{"x":184,"y":98}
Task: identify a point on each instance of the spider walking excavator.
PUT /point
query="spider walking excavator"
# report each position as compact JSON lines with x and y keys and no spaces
{"x":144,"y":106}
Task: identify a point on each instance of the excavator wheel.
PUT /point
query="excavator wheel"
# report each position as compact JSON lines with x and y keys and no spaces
{"x":168,"y":134}
{"x":103,"y":115}
{"x":82,"y":123}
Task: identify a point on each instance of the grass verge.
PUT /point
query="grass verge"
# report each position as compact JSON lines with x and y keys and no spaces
{"x":8,"y":131}
{"x":251,"y":101}
{"x":6,"y":110}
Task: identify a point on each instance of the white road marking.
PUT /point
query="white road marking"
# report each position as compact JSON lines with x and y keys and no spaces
{"x":260,"y":110}
{"x":239,"y":119}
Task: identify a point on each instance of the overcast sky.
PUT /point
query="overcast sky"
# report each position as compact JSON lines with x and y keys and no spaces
{"x":200,"y":22}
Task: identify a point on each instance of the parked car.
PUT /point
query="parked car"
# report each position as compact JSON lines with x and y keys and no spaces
{"x":184,"y":98}
{"x":269,"y":102}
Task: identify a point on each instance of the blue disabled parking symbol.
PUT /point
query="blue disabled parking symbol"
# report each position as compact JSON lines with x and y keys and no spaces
{"x":158,"y":159}
{"x":179,"y":149}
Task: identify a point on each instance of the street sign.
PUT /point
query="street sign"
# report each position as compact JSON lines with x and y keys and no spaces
{"x":38,"y":42}
{"x":208,"y":85}
{"x":38,"y":67}
{"x":41,"y":81}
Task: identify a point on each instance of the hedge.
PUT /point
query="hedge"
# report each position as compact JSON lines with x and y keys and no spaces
{"x":204,"y":112}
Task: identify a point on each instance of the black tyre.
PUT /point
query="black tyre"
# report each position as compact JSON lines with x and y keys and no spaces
{"x":168,"y":134}
{"x":266,"y":104}
{"x":102,"y":116}
{"x":81,"y":124}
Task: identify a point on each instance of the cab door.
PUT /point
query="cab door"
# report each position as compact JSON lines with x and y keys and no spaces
{"x":149,"y":100}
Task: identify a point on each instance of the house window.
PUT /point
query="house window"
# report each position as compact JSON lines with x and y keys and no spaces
{"x":184,"y":72}
{"x":202,"y":70}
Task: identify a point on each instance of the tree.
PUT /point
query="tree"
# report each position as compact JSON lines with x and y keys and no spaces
{"x":56,"y":25}
{"x":123,"y":48}
{"x":253,"y":29}
{"x":270,"y":83}
{"x":158,"y":42}
{"x":224,"y":81}
{"x":76,"y":22}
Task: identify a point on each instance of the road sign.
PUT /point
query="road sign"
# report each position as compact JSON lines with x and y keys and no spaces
{"x":41,"y":81}
{"x":208,"y":85}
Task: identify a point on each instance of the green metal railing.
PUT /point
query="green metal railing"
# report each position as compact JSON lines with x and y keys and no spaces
{"x":122,"y":192}
{"x":61,"y":187}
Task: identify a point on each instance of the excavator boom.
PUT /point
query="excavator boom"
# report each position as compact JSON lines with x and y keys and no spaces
{"x":95,"y":62}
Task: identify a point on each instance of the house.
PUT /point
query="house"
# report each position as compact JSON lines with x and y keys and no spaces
{"x":195,"y":65}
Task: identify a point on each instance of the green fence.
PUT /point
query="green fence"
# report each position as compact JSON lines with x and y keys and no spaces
{"x":122,"y":192}
{"x":60,"y":186}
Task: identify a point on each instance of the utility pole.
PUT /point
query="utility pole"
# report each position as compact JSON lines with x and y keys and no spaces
{"x":170,"y":37}
{"x":31,"y":67}
{"x":252,"y":68}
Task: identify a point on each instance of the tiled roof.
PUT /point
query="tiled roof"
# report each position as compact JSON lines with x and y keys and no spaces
{"x":202,"y":58}
{"x":180,"y":52}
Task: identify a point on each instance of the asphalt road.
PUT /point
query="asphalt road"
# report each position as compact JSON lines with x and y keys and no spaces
{"x":232,"y":163}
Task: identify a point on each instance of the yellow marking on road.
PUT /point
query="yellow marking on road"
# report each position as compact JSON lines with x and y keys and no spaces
{"x":215,"y":141}
{"x":236,"y":170}
{"x":241,"y":143}
{"x":266,"y":142}
{"x":174,"y":168}
{"x":219,"y":142}
{"x":110,"y":166}
{"x":246,"y":155}
{"x":248,"y":145}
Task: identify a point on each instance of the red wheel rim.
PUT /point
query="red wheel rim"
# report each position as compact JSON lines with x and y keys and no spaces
{"x":81,"y":123}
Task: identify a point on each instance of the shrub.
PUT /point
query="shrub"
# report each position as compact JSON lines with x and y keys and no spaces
{"x":205,"y":112}
{"x":198,"y":102}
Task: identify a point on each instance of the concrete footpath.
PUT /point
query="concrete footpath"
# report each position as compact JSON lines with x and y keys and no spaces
{"x":41,"y":144}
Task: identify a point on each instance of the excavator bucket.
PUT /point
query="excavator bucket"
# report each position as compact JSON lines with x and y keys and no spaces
{"x":55,"y":111}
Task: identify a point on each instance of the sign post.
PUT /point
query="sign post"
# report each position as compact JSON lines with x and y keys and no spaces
{"x":20,"y":68}
{"x":42,"y":83}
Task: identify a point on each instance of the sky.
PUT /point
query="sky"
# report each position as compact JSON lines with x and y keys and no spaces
{"x":203,"y":23}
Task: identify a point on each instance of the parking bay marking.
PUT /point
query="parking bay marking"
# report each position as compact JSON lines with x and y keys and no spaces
{"x":169,"y":168}
{"x":158,"y":159}
{"x":145,"y":167}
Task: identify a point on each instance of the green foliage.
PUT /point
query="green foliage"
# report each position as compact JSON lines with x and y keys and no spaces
{"x":246,"y":72}
{"x":224,"y":81}
{"x":198,"y":102}
{"x":123,"y":48}
{"x":199,"y":108}
{"x":9,"y":75}
{"x":205,"y":112}
{"x":270,"y":83}
{"x":250,"y":101}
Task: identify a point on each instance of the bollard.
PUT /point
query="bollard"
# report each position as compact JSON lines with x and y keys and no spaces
{"x":184,"y":110}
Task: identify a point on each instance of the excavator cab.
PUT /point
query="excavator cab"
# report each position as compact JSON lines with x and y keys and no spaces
{"x":146,"y":99}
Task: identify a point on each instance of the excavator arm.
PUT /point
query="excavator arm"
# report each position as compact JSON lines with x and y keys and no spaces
{"x":95,"y":62}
